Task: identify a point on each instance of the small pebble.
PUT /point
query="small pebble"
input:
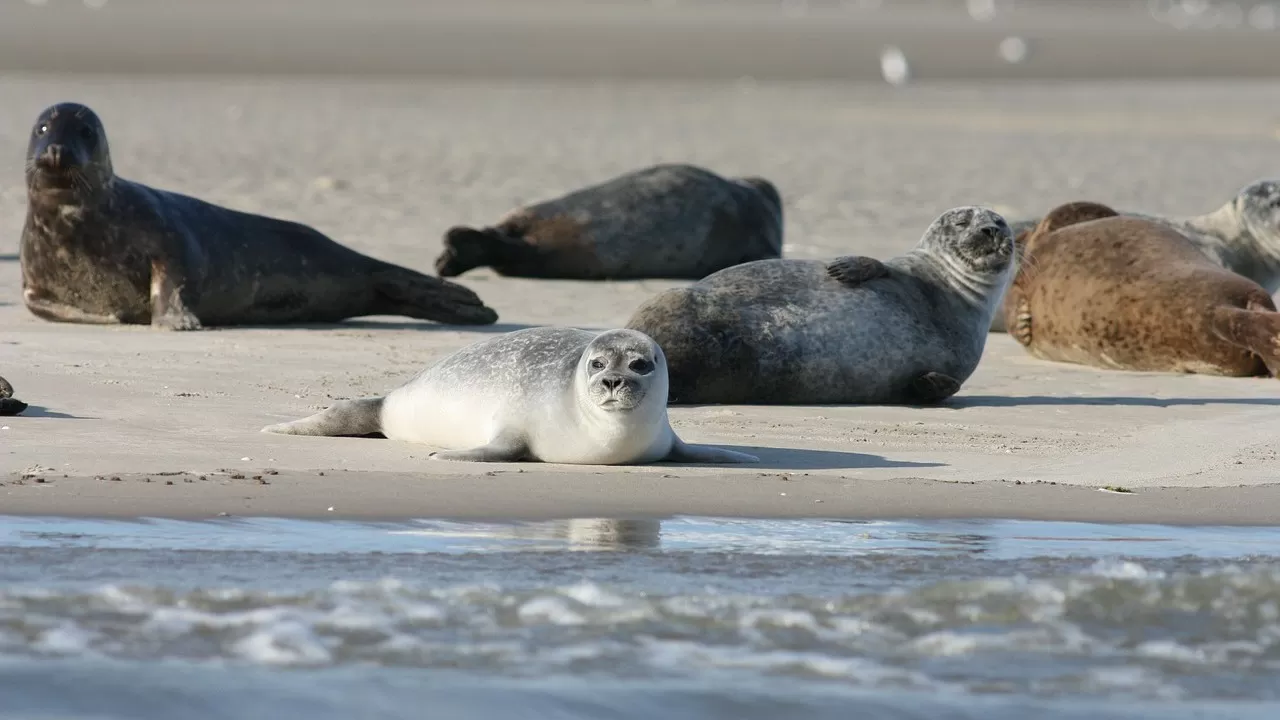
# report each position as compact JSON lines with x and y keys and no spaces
{"x":330,"y":509}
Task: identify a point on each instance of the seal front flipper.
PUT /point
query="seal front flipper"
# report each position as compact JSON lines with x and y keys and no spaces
{"x":1256,"y":329}
{"x":932,"y":388}
{"x":684,"y":452}
{"x":504,"y":448}
{"x":412,"y":294}
{"x":168,"y":308}
{"x":344,"y":418}
{"x":468,"y":248}
{"x":854,"y":270}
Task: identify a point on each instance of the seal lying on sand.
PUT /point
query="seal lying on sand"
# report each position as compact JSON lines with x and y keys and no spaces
{"x":1128,"y":293}
{"x":854,"y":330}
{"x":97,"y":248}
{"x":551,"y":394}
{"x":1242,"y":236}
{"x":666,"y":221}
{"x":8,"y":404}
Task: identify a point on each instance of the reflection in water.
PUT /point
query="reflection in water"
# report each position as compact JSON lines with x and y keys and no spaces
{"x":575,"y":534}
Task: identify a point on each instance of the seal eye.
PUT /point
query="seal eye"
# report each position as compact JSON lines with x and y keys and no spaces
{"x":42,"y":129}
{"x":597,"y":364}
{"x":88,"y":133}
{"x":641,"y":367}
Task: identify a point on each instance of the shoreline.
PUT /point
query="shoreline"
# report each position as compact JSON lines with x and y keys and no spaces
{"x":553,"y":494}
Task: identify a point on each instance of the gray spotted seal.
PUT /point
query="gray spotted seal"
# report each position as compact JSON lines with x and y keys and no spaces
{"x":99,"y":249}
{"x":1242,"y":235}
{"x":908,"y":330}
{"x":1127,"y":293}
{"x":550,"y":394}
{"x":665,"y":221}
{"x":9,"y":405}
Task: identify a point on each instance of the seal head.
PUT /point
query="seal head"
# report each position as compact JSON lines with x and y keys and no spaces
{"x":973,"y":248}
{"x":621,"y":368}
{"x":68,"y":152}
{"x":1258,"y":206}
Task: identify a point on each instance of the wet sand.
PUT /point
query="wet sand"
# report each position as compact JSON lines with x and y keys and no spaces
{"x":386,"y":166}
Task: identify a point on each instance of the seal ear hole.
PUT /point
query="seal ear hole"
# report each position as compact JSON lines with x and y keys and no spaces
{"x":641,"y":366}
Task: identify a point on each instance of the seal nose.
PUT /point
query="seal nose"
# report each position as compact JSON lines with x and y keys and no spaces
{"x":52,"y":157}
{"x":612,"y":382}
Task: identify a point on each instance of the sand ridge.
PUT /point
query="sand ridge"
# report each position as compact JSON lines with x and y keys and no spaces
{"x":386,"y":166}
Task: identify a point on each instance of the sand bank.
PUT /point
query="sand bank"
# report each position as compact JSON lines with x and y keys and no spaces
{"x":386,"y":167}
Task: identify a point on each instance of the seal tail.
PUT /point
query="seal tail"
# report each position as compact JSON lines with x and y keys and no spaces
{"x":412,"y":294}
{"x":1256,"y":328}
{"x":347,"y":417}
{"x":467,"y":248}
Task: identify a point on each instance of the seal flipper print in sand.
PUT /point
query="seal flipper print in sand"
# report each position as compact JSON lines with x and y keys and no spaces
{"x":97,"y":248}
{"x":666,"y":221}
{"x":908,"y":330}
{"x":548,"y":394}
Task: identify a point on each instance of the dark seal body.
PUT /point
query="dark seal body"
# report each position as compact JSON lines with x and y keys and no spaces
{"x":1126,"y":293}
{"x":855,"y":330}
{"x":666,"y":221}
{"x":9,"y":405}
{"x":97,"y":248}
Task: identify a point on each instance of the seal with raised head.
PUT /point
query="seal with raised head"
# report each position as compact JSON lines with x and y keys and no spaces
{"x":548,"y":394}
{"x":1126,"y":293}
{"x":1243,"y":235}
{"x":665,"y":221}
{"x":908,"y":330}
{"x":100,"y":249}
{"x":9,"y":405}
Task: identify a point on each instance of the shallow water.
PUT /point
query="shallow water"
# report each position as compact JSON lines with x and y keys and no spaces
{"x":690,"y":617}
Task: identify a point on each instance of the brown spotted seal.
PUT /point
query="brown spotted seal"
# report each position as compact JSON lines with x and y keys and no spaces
{"x":908,"y":330}
{"x":1119,"y":292}
{"x":9,"y":405}
{"x":97,"y":248}
{"x":665,"y":221}
{"x":1243,"y":235}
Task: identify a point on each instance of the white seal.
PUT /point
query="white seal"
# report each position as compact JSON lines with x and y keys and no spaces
{"x":551,"y":394}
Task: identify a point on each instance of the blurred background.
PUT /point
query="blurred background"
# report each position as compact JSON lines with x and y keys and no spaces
{"x":858,"y":40}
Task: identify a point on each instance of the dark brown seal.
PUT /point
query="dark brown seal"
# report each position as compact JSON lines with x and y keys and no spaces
{"x":666,"y":221}
{"x":97,"y":248}
{"x":1127,"y":293}
{"x":9,"y":405}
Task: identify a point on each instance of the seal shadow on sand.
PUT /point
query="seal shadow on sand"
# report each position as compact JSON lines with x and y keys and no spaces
{"x":8,"y":258}
{"x":36,"y":411}
{"x":775,"y":458}
{"x":770,"y":459}
{"x":496,"y":328}
{"x":963,"y":401}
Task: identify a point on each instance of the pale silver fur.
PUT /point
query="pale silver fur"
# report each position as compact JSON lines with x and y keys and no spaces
{"x":531,"y":394}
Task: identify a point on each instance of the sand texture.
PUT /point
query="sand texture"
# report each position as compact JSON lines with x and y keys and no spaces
{"x":387,"y":166}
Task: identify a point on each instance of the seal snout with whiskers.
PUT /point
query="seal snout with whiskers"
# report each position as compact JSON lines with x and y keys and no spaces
{"x":68,"y":150}
{"x":619,"y":372}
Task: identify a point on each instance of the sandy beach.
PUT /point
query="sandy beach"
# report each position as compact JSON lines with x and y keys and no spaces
{"x":386,"y":166}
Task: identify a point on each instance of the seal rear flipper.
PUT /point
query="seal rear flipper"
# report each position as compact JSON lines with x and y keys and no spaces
{"x":932,"y":388}
{"x":344,"y":418}
{"x":504,"y":448}
{"x":412,"y":294}
{"x":467,"y":248}
{"x":1256,"y":329}
{"x":854,"y":270}
{"x":10,"y":406}
{"x":684,"y":452}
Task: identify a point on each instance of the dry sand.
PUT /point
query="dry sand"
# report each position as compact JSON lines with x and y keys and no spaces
{"x":387,"y":166}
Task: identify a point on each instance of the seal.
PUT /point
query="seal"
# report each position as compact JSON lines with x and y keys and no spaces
{"x":664,"y":221}
{"x":9,"y":405}
{"x":99,"y":249}
{"x":908,"y":330}
{"x":1127,"y":293}
{"x":549,"y":394}
{"x":1242,"y":235}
